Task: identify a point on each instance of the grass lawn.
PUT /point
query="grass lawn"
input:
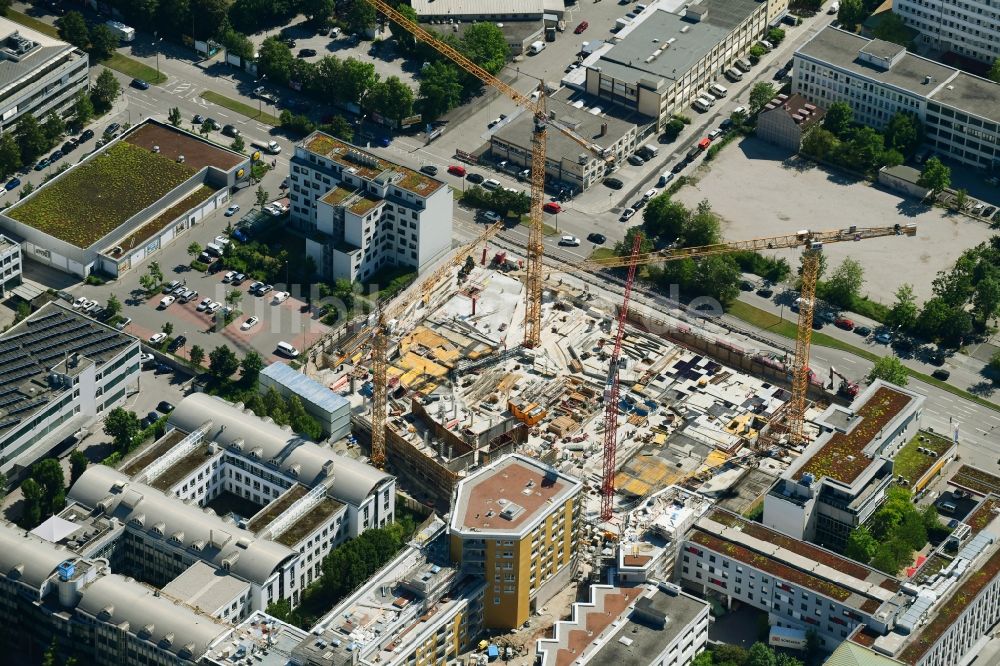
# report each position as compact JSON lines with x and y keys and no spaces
{"x":910,"y":463}
{"x":240,"y":108}
{"x":771,"y":322}
{"x":546,"y":229}
{"x":602,"y":254}
{"x":134,"y":68}
{"x":33,"y":23}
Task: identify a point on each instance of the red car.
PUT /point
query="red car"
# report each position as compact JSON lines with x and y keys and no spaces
{"x":580,"y":28}
{"x":456,"y":170}
{"x":551,"y":207}
{"x":844,"y":323}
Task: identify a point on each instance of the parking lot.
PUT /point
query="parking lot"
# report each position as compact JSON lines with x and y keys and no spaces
{"x":759,"y":191}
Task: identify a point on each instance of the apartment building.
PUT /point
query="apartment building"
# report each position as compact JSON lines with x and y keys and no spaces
{"x":659,"y":66}
{"x":970,"y":28}
{"x":40,"y":74}
{"x":840,"y":479}
{"x":59,"y":371}
{"x":799,"y":585}
{"x":98,"y":617}
{"x":786,"y":119}
{"x":361,"y":213}
{"x":515,"y":522}
{"x":960,"y":112}
{"x":656,"y":624}
{"x":10,"y":265}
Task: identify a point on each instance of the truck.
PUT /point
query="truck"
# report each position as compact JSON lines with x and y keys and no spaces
{"x":648,"y":151}
{"x":536,"y":47}
{"x":269,"y":147}
{"x":121,"y":31}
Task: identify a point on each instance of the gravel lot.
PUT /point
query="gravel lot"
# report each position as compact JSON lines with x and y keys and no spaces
{"x":760,"y":192}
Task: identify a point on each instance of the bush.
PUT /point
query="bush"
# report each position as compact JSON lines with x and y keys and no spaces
{"x":769,"y":268}
{"x":199,"y":265}
{"x":94,"y":280}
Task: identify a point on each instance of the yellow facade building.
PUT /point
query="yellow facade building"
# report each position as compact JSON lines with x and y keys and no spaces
{"x":516,"y":522}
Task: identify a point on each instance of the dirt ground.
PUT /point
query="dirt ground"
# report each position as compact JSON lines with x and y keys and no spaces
{"x":759,"y":191}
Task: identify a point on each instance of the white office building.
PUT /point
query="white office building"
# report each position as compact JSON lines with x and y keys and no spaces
{"x":960,"y":112}
{"x":363,"y":214}
{"x":967,"y":27}
{"x":59,"y":371}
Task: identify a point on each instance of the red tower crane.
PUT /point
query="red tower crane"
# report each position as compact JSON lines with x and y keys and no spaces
{"x":611,"y":391}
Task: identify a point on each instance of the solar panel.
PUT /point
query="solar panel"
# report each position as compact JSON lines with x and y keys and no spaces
{"x":38,"y":320}
{"x":8,"y":347}
{"x":10,"y":399}
{"x":9,"y":422}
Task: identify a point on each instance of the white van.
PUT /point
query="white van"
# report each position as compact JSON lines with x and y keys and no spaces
{"x":718,"y":91}
{"x":707,"y":99}
{"x":287,"y":349}
{"x":649,"y":195}
{"x":213,"y":250}
{"x":491,"y":184}
{"x":701,"y":105}
{"x":734,"y":74}
{"x":744,"y":64}
{"x":536,"y":48}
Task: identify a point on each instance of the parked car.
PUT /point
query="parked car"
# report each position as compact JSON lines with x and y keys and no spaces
{"x":941,"y":374}
{"x":716,"y":133}
{"x":205,"y":302}
{"x":614,"y":183}
{"x":123,"y":323}
{"x":638,"y":204}
{"x":157,"y":338}
{"x":677,"y":168}
{"x":747,"y":285}
{"x":844,"y":323}
{"x":249,"y":323}
{"x":883,"y":338}
{"x":170,"y":286}
{"x":42,"y":164}
{"x":456,"y":170}
{"x":146,"y":358}
{"x":198,"y":119}
{"x":232,"y":210}
{"x":491,"y":217}
{"x":626,"y":215}
{"x":86,"y":135}
{"x":228,"y":277}
{"x":231,"y":130}
{"x":263,"y":290}
{"x":212,"y":123}
{"x":570,"y":241}
{"x":140,"y":84}
{"x":635,"y":160}
{"x":56,"y":156}
{"x":177,"y":343}
{"x":429,"y":169}
{"x":213,"y":307}
{"x":583,"y":25}
{"x":597,"y":239}
{"x":238,"y":280}
{"x":149,"y":419}
{"x":307,"y":53}
{"x":551,"y":207}
{"x":112,"y":129}
{"x":12,"y":184}
{"x":167,"y":301}
{"x":474,"y":178}
{"x":765,"y":292}
{"x":164,"y":407}
{"x":863,"y":331}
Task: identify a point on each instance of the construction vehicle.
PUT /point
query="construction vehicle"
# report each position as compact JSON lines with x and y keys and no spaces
{"x":529,"y":414}
{"x":847,"y":388}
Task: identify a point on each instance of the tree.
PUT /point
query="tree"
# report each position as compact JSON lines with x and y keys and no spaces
{"x":903,"y":314}
{"x":155,"y":270}
{"x":702,"y":659}
{"x":204,"y":130}
{"x":961,"y":199}
{"x":238,"y":144}
{"x":196,"y":355}
{"x":30,"y":138}
{"x":850,"y":14}
{"x":935,"y":175}
{"x":673,"y":129}
{"x":819,"y":143}
{"x":53,"y":127}
{"x":725,"y":653}
{"x":761,"y":655}
{"x":440,"y":89}
{"x":703,"y":228}
{"x":624,"y":248}
{"x":864,"y":149}
{"x":262,"y":196}
{"x":889,"y":369}
{"x":861,"y":545}
{"x":211,"y":14}
{"x":844,"y":285}
{"x":148,"y":283}
{"x":234,"y":297}
{"x":103,"y":42}
{"x":357,"y":79}
{"x":994,"y":73}
{"x":359,"y":15}
{"x":904,"y":132}
{"x":274,"y":59}
{"x":34,"y":495}
{"x":121,"y":426}
{"x":250,"y":367}
{"x":891,"y":28}
{"x":986,"y":300}
{"x":839,"y":119}
{"x":114,"y":306}
{"x":77,"y":464}
{"x":222,"y":362}
{"x":775,"y":36}
{"x":105,"y":90}
{"x":664,"y":219}
{"x":174,"y":117}
{"x":404,"y":39}
{"x":760,"y":95}
{"x":194,"y":249}
{"x":167,"y":328}
{"x":318,"y":11}
{"x":10,"y":154}
{"x":83,"y":109}
{"x":73,"y":29}
{"x":391,"y":98}
{"x":485,"y":45}
{"x":3,"y":486}
{"x":25,"y":191}
{"x":340,"y":128}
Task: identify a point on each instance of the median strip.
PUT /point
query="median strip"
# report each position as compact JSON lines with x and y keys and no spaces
{"x":789,"y":329}
{"x":134,"y":68}
{"x":241,"y":108}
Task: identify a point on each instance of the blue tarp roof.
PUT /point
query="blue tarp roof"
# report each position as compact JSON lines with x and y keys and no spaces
{"x":308,"y":389}
{"x":493,"y":651}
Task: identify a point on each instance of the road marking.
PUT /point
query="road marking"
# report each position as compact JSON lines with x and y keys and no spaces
{"x":849,"y":360}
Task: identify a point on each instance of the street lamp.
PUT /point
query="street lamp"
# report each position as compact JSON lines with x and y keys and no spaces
{"x":260,"y":98}
{"x":156,"y":45}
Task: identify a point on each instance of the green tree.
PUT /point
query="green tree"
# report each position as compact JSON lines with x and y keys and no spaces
{"x":167,"y":328}
{"x":318,"y":11}
{"x":864,"y":149}
{"x":3,"y":486}
{"x":34,"y":496}
{"x":725,"y":653}
{"x":935,"y":175}
{"x":48,"y":473}
{"x":760,"y":95}
{"x":114,"y":306}
{"x":10,"y":154}
{"x":891,"y":28}
{"x":194,"y":249}
{"x":703,"y":228}
{"x":673,"y":129}
{"x":238,"y":144}
{"x":903,"y":314}
{"x":121,"y":426}
{"x":73,"y":29}
{"x":204,"y":130}
{"x":359,"y":15}
{"x":104,"y":90}
{"x":440,"y":90}
{"x":861,"y":545}
{"x":844,"y":285}
{"x":485,"y":45}
{"x":839,"y":119}
{"x":961,"y":199}
{"x":775,"y":36}
{"x":994,"y":364}
{"x":211,"y":14}
{"x":196,"y":355}
{"x":994,"y":73}
{"x":155,"y":270}
{"x":262,"y":196}
{"x":819,"y":143}
{"x":222,"y":362}
{"x":889,"y":369}
{"x":340,"y":128}
{"x":624,"y":248}
{"x":850,"y":14}
{"x":77,"y":464}
{"x":174,"y":116}
{"x":83,"y":109}
{"x":250,"y":367}
{"x":702,"y":659}
{"x":234,"y":297}
{"x":904,"y":132}
{"x":103,"y":42}
{"x":664,"y":219}
{"x":357,"y":79}
{"x":30,"y":138}
{"x":148,"y":283}
{"x":404,"y":38}
{"x":986,"y":300}
{"x":392,"y":98}
{"x":717,"y":277}
{"x":761,"y":655}
{"x":274,"y":59}
{"x":25,"y":191}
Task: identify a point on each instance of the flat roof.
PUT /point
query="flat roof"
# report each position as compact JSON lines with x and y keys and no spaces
{"x":45,"y":50}
{"x":306,"y":388}
{"x":370,"y":166}
{"x":146,"y":456}
{"x":977,"y":480}
{"x":309,"y":521}
{"x":972,"y":94}
{"x":32,"y":349}
{"x":840,"y":49}
{"x":191,"y":461}
{"x":510,"y":495}
{"x":639,"y":642}
{"x":173,"y":142}
{"x":276,"y":507}
{"x":470,"y":7}
{"x":205,"y":588}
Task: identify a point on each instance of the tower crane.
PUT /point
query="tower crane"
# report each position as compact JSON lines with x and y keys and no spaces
{"x":535,"y":247}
